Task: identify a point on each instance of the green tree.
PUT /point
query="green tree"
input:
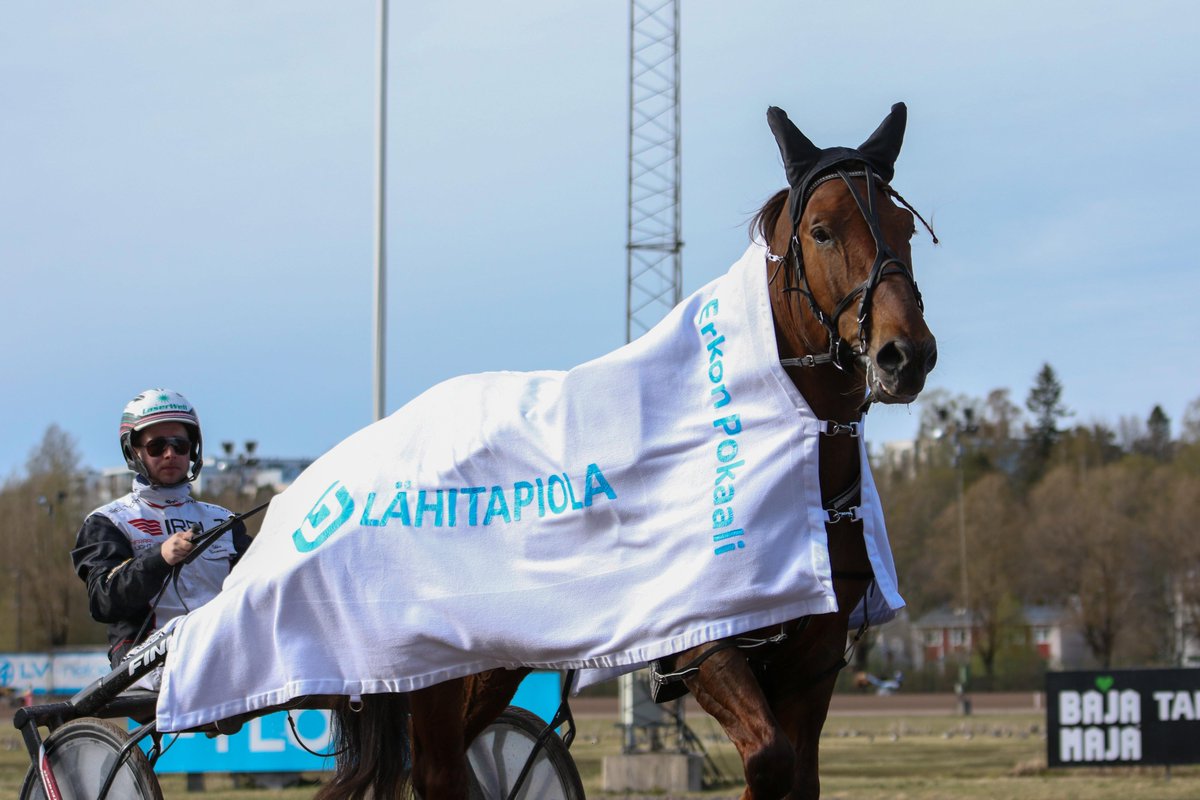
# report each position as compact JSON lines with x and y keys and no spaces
{"x":992,"y":538}
{"x":1097,"y":553}
{"x":1191,"y":423}
{"x":1157,"y":442}
{"x":1172,"y":524}
{"x":1000,"y":423}
{"x":1045,"y":404}
{"x":1088,"y":447}
{"x":41,"y":513}
{"x":913,"y":496}
{"x":1186,"y":455}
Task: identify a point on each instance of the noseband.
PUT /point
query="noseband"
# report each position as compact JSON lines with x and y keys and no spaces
{"x":841,"y":354}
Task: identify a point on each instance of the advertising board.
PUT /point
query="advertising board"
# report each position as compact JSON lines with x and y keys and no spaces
{"x":265,"y":744}
{"x":268,"y":744}
{"x":1123,"y":717}
{"x":44,"y":673}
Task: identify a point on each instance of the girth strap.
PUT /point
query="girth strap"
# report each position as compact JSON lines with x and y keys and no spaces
{"x":841,"y":507}
{"x":667,"y":686}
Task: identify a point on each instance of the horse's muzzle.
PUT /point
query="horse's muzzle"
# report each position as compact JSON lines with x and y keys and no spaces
{"x":900,"y":368}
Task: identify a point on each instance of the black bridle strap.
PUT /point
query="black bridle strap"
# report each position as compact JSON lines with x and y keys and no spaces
{"x":886,"y":260}
{"x":807,"y":361}
{"x":886,"y":263}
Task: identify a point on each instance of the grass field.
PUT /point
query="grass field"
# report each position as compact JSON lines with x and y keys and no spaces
{"x":864,"y":757}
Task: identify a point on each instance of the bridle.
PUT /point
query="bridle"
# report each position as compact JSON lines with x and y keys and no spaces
{"x":841,"y":353}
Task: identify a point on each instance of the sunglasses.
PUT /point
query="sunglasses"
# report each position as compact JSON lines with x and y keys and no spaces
{"x":156,"y":447}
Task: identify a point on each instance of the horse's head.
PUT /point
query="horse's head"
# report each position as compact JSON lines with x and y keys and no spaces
{"x":844,"y":245}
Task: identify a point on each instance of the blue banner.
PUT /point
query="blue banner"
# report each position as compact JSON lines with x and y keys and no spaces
{"x":268,"y":744}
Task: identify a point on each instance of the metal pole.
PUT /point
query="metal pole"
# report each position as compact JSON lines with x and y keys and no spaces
{"x":380,"y":215}
{"x":20,"y":611}
{"x":629,"y":177}
{"x":962,"y":535}
{"x":677,"y":245}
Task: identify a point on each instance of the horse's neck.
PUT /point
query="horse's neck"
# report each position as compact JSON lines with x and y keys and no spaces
{"x":835,"y":396}
{"x":831,"y":393}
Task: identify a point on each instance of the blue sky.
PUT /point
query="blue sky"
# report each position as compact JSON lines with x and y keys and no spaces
{"x":186,"y":195}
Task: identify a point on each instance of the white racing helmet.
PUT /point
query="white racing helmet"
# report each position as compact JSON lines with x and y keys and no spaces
{"x":150,"y":408}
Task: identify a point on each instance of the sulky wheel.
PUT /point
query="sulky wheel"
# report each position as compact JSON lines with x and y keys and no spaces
{"x":81,"y":753}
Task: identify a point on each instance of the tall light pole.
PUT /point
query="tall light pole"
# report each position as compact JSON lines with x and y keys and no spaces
{"x":956,"y":428}
{"x":380,"y":215}
{"x":242,"y":463}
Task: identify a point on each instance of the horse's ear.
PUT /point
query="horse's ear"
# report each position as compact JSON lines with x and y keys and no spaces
{"x":883,"y":146}
{"x":799,"y":154}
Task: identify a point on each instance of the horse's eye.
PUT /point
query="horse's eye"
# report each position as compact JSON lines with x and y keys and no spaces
{"x":821,"y":236}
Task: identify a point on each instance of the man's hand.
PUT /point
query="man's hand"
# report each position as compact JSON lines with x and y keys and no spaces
{"x":176,"y":548}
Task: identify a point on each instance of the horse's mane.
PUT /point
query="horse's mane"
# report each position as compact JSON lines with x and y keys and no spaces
{"x":762,"y":226}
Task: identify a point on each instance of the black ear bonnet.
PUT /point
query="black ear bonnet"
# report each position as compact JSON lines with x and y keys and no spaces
{"x":805,"y":163}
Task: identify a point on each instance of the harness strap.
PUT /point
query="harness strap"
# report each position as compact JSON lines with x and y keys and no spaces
{"x":807,"y":361}
{"x":853,"y":575}
{"x":742,"y":643}
{"x":840,"y":507}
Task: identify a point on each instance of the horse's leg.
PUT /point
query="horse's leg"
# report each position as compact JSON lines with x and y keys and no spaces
{"x":727,"y":689}
{"x":487,"y":694}
{"x":446,"y":718}
{"x":800,"y":694}
{"x":439,"y":768}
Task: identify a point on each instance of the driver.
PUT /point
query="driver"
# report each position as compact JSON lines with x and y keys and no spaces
{"x":126,"y":550}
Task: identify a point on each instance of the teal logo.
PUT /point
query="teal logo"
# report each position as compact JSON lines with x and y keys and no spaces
{"x":323,"y":520}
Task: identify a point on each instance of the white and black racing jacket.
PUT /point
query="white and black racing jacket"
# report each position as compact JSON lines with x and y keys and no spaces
{"x":118,"y":554}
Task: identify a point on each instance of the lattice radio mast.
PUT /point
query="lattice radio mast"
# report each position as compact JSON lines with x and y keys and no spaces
{"x":654,"y":258}
{"x":654,"y":273}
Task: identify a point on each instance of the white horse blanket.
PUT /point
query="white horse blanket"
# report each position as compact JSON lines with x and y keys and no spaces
{"x":659,"y":497}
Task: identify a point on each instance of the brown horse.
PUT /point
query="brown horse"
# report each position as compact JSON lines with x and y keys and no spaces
{"x":835,"y":240}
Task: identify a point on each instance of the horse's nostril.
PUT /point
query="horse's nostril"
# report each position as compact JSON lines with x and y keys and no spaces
{"x":930,"y":358}
{"x":893,"y":356}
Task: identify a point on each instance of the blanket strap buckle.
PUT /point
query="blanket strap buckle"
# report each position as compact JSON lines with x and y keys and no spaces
{"x":852,"y":514}
{"x":831,"y":428}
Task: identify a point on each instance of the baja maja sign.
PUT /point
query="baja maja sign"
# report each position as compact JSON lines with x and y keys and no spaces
{"x":1143,"y":716}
